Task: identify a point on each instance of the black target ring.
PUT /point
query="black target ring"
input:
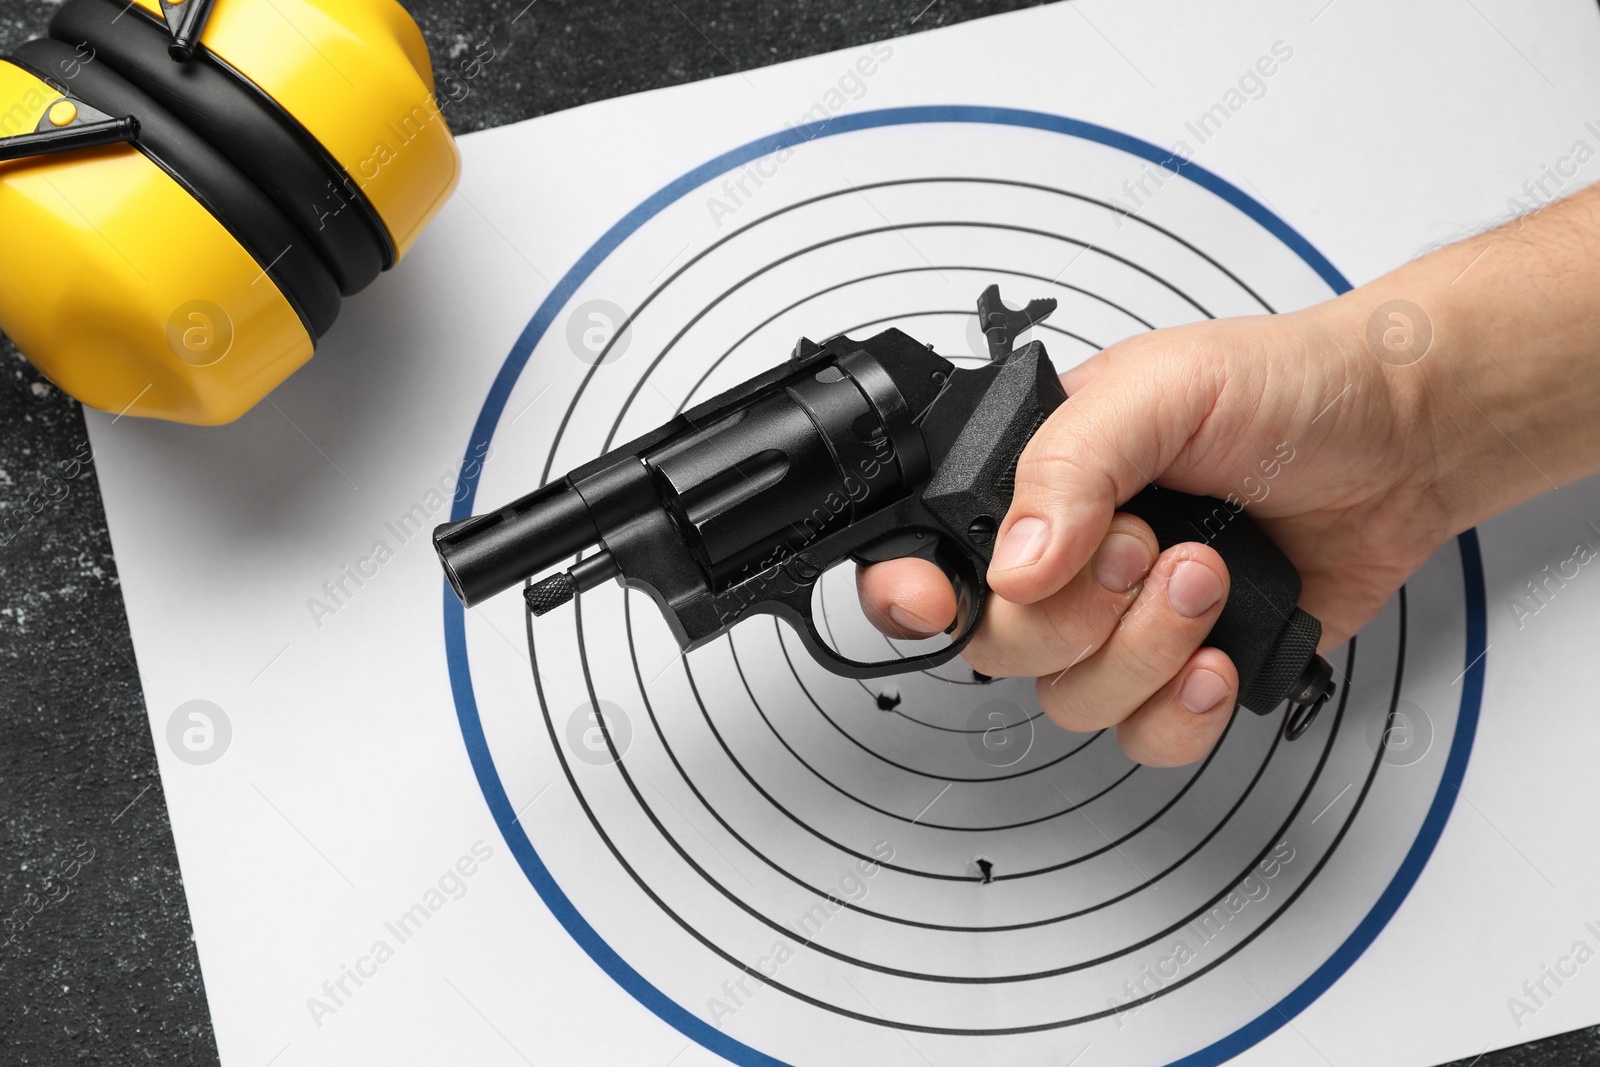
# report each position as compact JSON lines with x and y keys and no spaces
{"x":899,"y":972}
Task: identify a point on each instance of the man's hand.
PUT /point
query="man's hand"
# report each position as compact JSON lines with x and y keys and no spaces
{"x":1274,"y":411}
{"x":1358,"y":462}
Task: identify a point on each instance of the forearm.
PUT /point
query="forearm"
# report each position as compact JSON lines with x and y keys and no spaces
{"x":1505,"y":398}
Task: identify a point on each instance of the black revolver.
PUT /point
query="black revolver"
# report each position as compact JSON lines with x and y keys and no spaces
{"x":868,"y":451}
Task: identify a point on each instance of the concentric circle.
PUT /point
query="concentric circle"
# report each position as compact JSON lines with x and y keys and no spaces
{"x":793,"y":867}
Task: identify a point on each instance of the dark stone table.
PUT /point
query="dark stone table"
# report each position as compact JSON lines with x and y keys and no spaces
{"x":98,"y":964}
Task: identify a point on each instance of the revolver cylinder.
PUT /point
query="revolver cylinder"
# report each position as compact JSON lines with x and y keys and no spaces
{"x":779,"y":473}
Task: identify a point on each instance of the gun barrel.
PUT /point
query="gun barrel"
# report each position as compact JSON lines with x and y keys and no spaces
{"x":492,"y":552}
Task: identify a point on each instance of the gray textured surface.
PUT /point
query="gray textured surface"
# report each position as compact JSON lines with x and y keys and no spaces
{"x":101,"y":966}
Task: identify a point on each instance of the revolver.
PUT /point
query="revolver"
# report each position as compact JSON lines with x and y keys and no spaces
{"x":868,"y":451}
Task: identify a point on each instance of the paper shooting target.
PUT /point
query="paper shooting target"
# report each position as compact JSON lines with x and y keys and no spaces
{"x":792,"y":867}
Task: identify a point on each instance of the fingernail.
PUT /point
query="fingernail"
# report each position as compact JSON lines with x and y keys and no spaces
{"x":1121,"y":562}
{"x":1022,"y":545}
{"x":1193,"y":589}
{"x":1202,"y":690}
{"x":910,"y":623}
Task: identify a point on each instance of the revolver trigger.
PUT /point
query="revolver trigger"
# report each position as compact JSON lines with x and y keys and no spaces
{"x":1001,"y":325}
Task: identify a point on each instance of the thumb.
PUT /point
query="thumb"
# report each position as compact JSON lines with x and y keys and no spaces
{"x":1107,"y":442}
{"x":1076,"y":379}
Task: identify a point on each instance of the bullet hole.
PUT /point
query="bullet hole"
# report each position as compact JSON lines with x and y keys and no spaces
{"x":985,"y":869}
{"x":981,"y":678}
{"x":889,"y":699}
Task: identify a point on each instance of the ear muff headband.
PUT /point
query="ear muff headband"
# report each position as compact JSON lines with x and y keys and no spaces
{"x":266,"y":233}
{"x":245,"y":125}
{"x":356,"y":75}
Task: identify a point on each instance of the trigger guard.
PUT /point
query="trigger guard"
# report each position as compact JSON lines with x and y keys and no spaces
{"x":966,"y":581}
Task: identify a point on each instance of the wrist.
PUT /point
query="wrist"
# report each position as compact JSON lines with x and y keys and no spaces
{"x":1488,"y":371}
{"x":1414,"y":477}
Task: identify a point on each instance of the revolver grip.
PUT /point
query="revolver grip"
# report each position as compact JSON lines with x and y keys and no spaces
{"x":1261,"y":628}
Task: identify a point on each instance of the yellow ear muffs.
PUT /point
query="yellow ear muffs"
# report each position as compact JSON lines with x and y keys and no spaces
{"x":158,"y":279}
{"x":113,"y":254}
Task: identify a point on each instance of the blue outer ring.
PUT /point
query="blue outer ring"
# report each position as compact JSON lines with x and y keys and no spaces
{"x":561,"y":906}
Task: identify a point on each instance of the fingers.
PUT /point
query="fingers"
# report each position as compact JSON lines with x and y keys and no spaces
{"x":908,"y":598}
{"x":1104,"y":444}
{"x":1174,"y":612}
{"x":1185,"y":718}
{"x":1077,"y":379}
{"x":913,"y":598}
{"x":1118,"y":646}
{"x":1042,"y":638}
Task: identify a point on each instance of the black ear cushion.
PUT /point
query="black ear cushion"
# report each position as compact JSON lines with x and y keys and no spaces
{"x":246,"y":125}
{"x":249,"y":214}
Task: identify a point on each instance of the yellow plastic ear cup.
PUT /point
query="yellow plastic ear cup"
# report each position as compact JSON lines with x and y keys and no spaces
{"x":161,"y":278}
{"x":24,"y":100}
{"x":356,"y":75}
{"x":127,"y":292}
